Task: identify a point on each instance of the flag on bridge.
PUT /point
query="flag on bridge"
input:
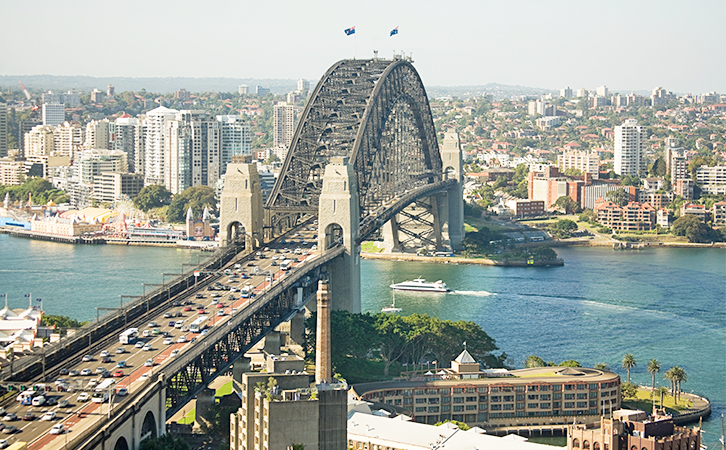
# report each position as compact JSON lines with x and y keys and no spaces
{"x":393,"y":32}
{"x":349,"y":31}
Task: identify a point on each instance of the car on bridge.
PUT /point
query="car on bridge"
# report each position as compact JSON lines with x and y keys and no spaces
{"x":106,"y":359}
{"x":9,"y":429}
{"x":147,"y":347}
{"x":149,"y":363}
{"x":140,"y":344}
{"x":167,"y":315}
{"x":9,"y":417}
{"x":174,"y":353}
{"x":29,"y":417}
{"x":120,"y":350}
{"x":39,"y":401}
{"x":172,"y":324}
{"x":85,"y":372}
{"x":83,"y":397}
{"x":73,"y":373}
{"x":48,"y":415}
{"x":168,"y":341}
{"x":117,"y":374}
{"x":87,"y":358}
{"x":57,"y":429}
{"x":181,"y":339}
{"x":121,"y":364}
{"x":104,"y":353}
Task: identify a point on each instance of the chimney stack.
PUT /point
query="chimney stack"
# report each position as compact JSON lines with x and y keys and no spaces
{"x":322,"y":346}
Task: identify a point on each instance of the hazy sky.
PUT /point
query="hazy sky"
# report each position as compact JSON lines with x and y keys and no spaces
{"x":626,"y":45}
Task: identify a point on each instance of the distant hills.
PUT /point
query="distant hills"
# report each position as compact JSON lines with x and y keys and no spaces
{"x":165,"y":85}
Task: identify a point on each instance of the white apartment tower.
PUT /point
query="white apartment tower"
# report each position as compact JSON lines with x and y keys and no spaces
{"x":53,"y":114}
{"x":580,"y":160}
{"x":39,"y":141}
{"x":125,"y":138}
{"x":3,"y":130}
{"x":68,"y":139}
{"x":236,"y":139}
{"x":140,"y":145}
{"x":630,"y":141}
{"x":602,"y":91}
{"x":155,"y":164}
{"x":192,"y":151}
{"x":283,"y":125}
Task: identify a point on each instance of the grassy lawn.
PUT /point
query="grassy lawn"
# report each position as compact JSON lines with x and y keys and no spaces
{"x":370,"y":247}
{"x":474,"y":224}
{"x":188,"y":418}
{"x":226,"y":389}
{"x":644,"y":402}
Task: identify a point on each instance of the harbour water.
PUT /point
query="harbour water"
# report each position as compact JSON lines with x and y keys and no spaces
{"x":668,"y":304}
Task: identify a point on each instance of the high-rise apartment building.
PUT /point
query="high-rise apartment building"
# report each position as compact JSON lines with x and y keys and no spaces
{"x":582,"y":92}
{"x":39,"y":141}
{"x":125,"y":138}
{"x":3,"y":130}
{"x":155,"y":163}
{"x":303,"y":86}
{"x":262,"y":91}
{"x":660,"y":97}
{"x":283,"y":124}
{"x":585,"y":162}
{"x":566,"y":92}
{"x":97,"y":133}
{"x":53,"y":114}
{"x":236,"y":139}
{"x":192,"y":145}
{"x":243,"y":89}
{"x":68,"y":139}
{"x":23,"y":127}
{"x":630,"y":141}
{"x":602,"y":91}
{"x":140,"y":145}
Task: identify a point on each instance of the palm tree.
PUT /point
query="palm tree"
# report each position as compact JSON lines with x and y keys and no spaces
{"x":679,"y":376}
{"x":628,"y":363}
{"x":660,"y":391}
{"x":653,"y":368}
{"x":670,"y":376}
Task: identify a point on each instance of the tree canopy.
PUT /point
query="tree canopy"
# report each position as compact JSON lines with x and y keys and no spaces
{"x":153,"y":196}
{"x":197,"y":198}
{"x":40,"y":189}
{"x":695,"y":230}
{"x":166,"y":442}
{"x":567,"y":204}
{"x":618,"y":196}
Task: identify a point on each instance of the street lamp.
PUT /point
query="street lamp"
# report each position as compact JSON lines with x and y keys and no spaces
{"x":163,"y":281}
{"x":189,"y":265}
{"x":148,"y":301}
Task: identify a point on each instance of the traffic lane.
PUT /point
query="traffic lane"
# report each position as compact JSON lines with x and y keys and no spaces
{"x":89,"y":410}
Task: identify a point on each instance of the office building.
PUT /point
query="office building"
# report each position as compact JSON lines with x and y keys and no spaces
{"x":500,"y":397}
{"x":630,"y":145}
{"x":243,"y":89}
{"x":582,"y":92}
{"x":155,"y":164}
{"x":109,"y":187}
{"x":566,"y":92}
{"x":125,"y":138}
{"x":236,"y":139}
{"x":261,"y":91}
{"x":283,"y":125}
{"x":541,"y":107}
{"x":53,"y":114}
{"x":192,"y":151}
{"x":3,"y":130}
{"x":585,"y":162}
{"x":68,"y":139}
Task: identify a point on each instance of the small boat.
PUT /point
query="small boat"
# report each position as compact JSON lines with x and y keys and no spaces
{"x":392,"y":308}
{"x":420,"y":285}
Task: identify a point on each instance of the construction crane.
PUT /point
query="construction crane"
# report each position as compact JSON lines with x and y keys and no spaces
{"x":29,"y":97}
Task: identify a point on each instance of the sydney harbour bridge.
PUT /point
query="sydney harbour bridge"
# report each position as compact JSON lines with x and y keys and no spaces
{"x":364,"y":159}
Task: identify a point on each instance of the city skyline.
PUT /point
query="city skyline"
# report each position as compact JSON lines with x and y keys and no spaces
{"x":527,"y":44}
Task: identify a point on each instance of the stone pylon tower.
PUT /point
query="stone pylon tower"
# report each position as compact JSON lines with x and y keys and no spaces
{"x":241,"y":214}
{"x":452,"y":208}
{"x":339,"y":222}
{"x":323,"y":366}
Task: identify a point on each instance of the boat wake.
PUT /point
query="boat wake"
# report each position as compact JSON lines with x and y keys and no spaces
{"x":474,"y":293}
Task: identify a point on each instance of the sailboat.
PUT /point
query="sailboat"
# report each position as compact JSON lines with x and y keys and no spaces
{"x":392,"y":308}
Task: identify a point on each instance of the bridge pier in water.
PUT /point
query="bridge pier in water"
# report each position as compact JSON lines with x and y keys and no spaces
{"x":339,"y":222}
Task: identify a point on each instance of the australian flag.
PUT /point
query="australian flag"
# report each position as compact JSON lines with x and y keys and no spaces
{"x":350,"y":31}
{"x":394,"y":31}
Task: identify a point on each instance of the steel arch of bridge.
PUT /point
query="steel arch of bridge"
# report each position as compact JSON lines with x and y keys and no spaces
{"x":374,"y":112}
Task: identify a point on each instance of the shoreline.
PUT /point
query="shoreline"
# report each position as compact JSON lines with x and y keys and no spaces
{"x":459,"y":260}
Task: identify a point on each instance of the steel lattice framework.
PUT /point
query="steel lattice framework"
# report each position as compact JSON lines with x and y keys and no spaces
{"x":376,"y":113}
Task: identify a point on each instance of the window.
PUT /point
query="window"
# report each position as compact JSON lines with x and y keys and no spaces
{"x":407,"y":401}
{"x":532,"y":388}
{"x":496,"y":398}
{"x":495,"y":407}
{"x":593,"y":394}
{"x":533,"y":397}
{"x":544,"y":397}
{"x":458,"y":408}
{"x":420,"y":409}
{"x":544,"y":406}
{"x":433,"y":409}
{"x":458,"y":399}
{"x":433,"y":400}
{"x":482,"y":398}
{"x":557,"y":396}
{"x":470,"y":390}
{"x":569,"y":387}
{"x":582,"y":404}
{"x":470,"y":399}
{"x":509,"y":407}
{"x":419,"y":391}
{"x":520,"y":397}
{"x":569,"y":396}
{"x":581,"y":387}
{"x":520,"y":405}
{"x":445,"y":399}
{"x":445,"y":408}
{"x":473,"y":407}
{"x":581,"y":396}
{"x":420,"y":400}
{"x":531,"y":405}
{"x":458,"y":390}
{"x":569,"y":404}
{"x":483,"y":390}
{"x":483,"y":407}
{"x":575,"y":443}
{"x":508,"y":398}
{"x":556,"y":404}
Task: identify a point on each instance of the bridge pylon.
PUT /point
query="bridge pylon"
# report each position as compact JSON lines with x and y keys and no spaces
{"x":339,"y":222}
{"x":453,"y":206}
{"x":241,"y":214}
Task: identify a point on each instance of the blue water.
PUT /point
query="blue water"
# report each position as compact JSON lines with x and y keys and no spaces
{"x":73,"y":280}
{"x":668,"y":304}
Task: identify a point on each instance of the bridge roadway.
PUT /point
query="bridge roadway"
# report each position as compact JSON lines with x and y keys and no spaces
{"x":219,"y":306}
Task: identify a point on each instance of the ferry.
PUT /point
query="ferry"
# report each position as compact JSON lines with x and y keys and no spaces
{"x":420,"y":285}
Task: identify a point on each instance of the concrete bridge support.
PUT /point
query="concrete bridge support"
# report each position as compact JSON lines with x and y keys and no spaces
{"x":339,"y":222}
{"x":241,"y":214}
{"x":453,"y":206}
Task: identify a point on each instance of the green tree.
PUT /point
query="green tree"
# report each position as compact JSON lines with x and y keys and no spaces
{"x":462,"y":426}
{"x":534,"y":361}
{"x":618,"y":196}
{"x":628,"y":390}
{"x":393,"y":333}
{"x":166,"y":442}
{"x":628,"y":363}
{"x":61,"y":321}
{"x":658,"y":168}
{"x":153,"y":196}
{"x":197,"y":198}
{"x":218,"y":417}
{"x":567,"y":204}
{"x":570,"y":363}
{"x":630,"y":180}
{"x":653,"y":368}
{"x":679,"y":376}
{"x":520,"y":173}
{"x":696,"y":231}
{"x":543,"y":253}
{"x":562,"y":229}
{"x":602,"y":366}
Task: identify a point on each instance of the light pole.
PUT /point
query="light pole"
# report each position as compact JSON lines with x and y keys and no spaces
{"x":148,"y":301}
{"x":187,"y":277}
{"x":163,"y":281}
